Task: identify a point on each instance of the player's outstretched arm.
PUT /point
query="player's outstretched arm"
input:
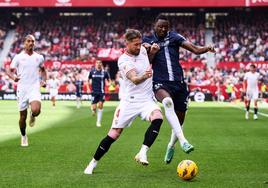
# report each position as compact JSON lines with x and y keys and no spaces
{"x":133,"y":77}
{"x":197,"y":49}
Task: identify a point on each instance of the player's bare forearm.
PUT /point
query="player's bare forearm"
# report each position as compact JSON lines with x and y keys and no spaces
{"x":133,"y":77}
{"x":43,"y":76}
{"x":43,"y":73}
{"x":244,"y":86}
{"x":88,"y":85}
{"x":10,"y":73}
{"x":197,"y":49}
{"x":151,"y":50}
{"x":151,"y":57}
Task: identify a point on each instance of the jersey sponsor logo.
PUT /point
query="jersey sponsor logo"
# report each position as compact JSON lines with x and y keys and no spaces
{"x":97,"y":76}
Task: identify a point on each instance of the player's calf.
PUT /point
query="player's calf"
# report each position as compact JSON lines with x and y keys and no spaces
{"x":101,"y":150}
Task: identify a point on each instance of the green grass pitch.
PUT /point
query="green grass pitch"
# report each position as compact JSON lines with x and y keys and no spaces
{"x":229,"y":151}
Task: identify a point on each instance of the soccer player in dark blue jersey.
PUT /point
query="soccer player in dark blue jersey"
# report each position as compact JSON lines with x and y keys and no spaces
{"x":97,"y":77}
{"x":78,"y":89}
{"x":168,"y":79}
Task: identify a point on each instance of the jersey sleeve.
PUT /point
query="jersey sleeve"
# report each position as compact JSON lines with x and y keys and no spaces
{"x":145,"y":40}
{"x":179,"y":39}
{"x":143,"y":50}
{"x":125,"y":66}
{"x":14,"y":62}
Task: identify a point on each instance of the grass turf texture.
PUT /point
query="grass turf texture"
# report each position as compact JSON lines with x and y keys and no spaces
{"x":229,"y":151}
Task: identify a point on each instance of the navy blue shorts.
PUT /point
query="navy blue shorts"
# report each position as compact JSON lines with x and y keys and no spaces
{"x":78,"y":94}
{"x":178,"y":92}
{"x":97,"y":97}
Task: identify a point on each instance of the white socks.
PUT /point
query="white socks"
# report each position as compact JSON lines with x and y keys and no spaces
{"x":173,"y":119}
{"x":94,"y":163}
{"x":144,"y":149}
{"x":99,"y":116}
{"x":173,"y":139}
{"x":78,"y":103}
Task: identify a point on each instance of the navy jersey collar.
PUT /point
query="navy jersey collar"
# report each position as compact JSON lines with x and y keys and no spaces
{"x":155,"y":35}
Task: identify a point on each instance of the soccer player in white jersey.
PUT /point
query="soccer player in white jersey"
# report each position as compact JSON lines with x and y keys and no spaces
{"x":250,"y":86}
{"x":138,"y":101}
{"x":53,"y":85}
{"x":28,"y":65}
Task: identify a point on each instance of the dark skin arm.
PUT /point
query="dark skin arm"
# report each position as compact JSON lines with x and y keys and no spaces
{"x":197,"y":49}
{"x":151,"y":50}
{"x":43,"y":76}
{"x":11,"y":74}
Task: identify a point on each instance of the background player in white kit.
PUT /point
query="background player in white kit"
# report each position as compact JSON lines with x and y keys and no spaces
{"x":250,"y":86}
{"x":138,"y":100}
{"x":53,"y":85}
{"x":28,"y":63}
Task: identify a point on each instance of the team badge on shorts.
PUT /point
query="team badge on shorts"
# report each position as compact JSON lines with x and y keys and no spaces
{"x":157,"y":86}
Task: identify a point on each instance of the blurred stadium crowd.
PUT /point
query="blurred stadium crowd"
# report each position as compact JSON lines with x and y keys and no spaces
{"x":61,"y":38}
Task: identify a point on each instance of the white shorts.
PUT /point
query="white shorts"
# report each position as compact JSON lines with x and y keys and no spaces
{"x":53,"y":93}
{"x":26,"y":96}
{"x":252,"y":94}
{"x":126,"y":112}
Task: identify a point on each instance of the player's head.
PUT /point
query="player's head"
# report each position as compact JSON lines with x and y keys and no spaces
{"x":252,"y":68}
{"x":29,"y":42}
{"x":133,"y":41}
{"x":161,"y":25}
{"x":98,"y":64}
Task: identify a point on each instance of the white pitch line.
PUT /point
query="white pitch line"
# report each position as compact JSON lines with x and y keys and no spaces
{"x":259,"y":113}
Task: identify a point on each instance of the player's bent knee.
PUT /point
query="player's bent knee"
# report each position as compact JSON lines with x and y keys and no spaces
{"x":115,"y":133}
{"x":36,"y":112}
{"x":156,"y":114}
{"x":168,"y":103}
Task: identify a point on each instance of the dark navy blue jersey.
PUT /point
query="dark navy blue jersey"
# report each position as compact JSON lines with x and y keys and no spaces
{"x":166,"y":66}
{"x":98,"y":80}
{"x":79,"y":86}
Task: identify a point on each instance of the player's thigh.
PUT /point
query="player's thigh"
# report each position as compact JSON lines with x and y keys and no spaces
{"x":22,"y":99}
{"x":94,"y":98}
{"x":102,"y":97}
{"x":181,"y":116}
{"x":181,"y":98}
{"x":148,"y":108}
{"x":35,"y":100}
{"x":255,"y":95}
{"x":78,"y":95}
{"x":161,"y":91}
{"x":249,"y":95}
{"x":53,"y":93}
